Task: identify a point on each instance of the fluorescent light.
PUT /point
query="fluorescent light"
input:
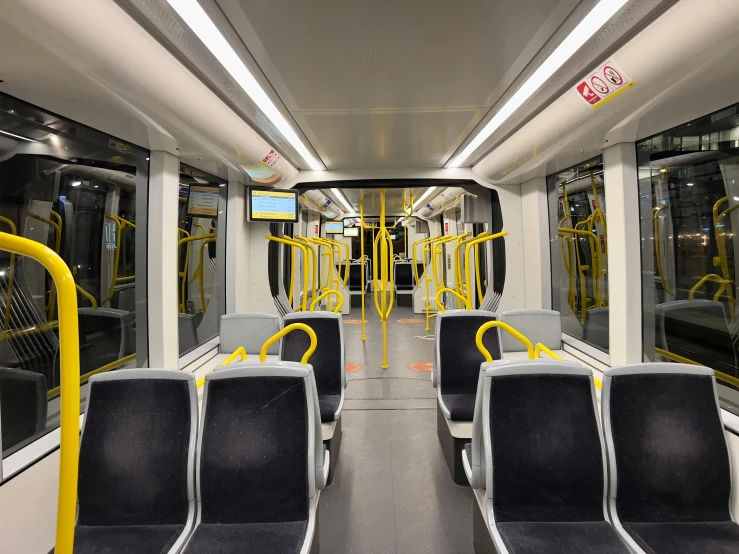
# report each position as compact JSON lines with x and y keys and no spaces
{"x":574,"y":41}
{"x":13,"y":135}
{"x":196,"y":18}
{"x":343,"y":200}
{"x":423,"y":197}
{"x":690,"y":184}
{"x":76,"y":183}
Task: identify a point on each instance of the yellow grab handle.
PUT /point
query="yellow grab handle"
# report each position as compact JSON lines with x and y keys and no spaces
{"x":317,"y":300}
{"x":239,"y":352}
{"x":468,"y":246}
{"x":290,"y":328}
{"x":69,"y":342}
{"x":541,"y":348}
{"x":452,"y":291}
{"x":508,"y":329}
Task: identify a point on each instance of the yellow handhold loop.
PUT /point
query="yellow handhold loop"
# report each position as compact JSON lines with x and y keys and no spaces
{"x":289,"y":329}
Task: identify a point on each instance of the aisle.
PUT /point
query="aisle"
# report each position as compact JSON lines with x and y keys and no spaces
{"x":392,"y":492}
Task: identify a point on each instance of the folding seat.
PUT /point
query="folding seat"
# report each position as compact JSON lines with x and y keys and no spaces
{"x":670,"y":472}
{"x":329,"y":370}
{"x":545,"y":466}
{"x":456,"y":373}
{"x":136,"y":474}
{"x":261,"y":462}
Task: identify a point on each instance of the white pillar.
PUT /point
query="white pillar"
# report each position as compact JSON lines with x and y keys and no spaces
{"x":624,"y":254}
{"x":164,"y":204}
{"x":537,"y":273}
{"x":237,"y":245}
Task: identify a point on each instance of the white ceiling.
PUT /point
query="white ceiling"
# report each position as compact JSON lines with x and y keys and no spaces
{"x":390,"y":83}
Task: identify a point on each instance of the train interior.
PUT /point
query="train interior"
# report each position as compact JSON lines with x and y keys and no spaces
{"x":369,"y":277}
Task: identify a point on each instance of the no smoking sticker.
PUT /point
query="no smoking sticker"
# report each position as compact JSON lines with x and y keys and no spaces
{"x":604,"y":84}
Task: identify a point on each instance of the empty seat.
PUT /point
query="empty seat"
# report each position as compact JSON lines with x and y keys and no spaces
{"x":670,"y":473}
{"x":403,"y":277}
{"x":23,"y":406}
{"x":539,"y":326}
{"x":261,"y":461}
{"x":136,"y":484}
{"x":544,"y":460}
{"x":328,"y":361}
{"x":250,"y":330}
{"x":457,"y":360}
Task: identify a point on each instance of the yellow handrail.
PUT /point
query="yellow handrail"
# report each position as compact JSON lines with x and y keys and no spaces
{"x":677,"y":358}
{"x":240,"y":352}
{"x":11,"y":276}
{"x":199,"y":272}
{"x":314,"y":261}
{"x":361,"y":246}
{"x":292,"y":242}
{"x":90,"y":297}
{"x":385,"y":284}
{"x":581,"y":269}
{"x":292,"y":327}
{"x":568,"y":265}
{"x":508,"y":329}
{"x":468,"y":246}
{"x":441,"y":291}
{"x":69,"y":343}
{"x":713,"y":278}
{"x":542,"y":348}
{"x":461,"y":241}
{"x":722,"y":255}
{"x":318,"y":299}
{"x":655,"y":217}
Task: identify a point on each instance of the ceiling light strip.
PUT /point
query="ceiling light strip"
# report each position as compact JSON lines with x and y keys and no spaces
{"x":418,"y":203}
{"x":592,"y":22}
{"x":343,"y":200}
{"x":13,"y":135}
{"x":196,"y":18}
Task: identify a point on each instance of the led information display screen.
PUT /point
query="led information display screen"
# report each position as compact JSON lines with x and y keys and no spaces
{"x":273,"y":205}
{"x":203,"y":201}
{"x":351,"y":232}
{"x":334,"y":227}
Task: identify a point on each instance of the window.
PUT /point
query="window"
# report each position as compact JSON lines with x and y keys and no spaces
{"x":201,"y":271}
{"x":579,"y":251}
{"x":78,"y":192}
{"x":689,"y":195}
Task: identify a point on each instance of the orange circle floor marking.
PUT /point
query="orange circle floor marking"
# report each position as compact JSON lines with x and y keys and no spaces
{"x":352,"y":367}
{"x":425,"y":367}
{"x":411,"y":321}
{"x":354,"y":321}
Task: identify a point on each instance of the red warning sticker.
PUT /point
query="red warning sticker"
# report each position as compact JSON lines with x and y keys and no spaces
{"x":605,"y":83}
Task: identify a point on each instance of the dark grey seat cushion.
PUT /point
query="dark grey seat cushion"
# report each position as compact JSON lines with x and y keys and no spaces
{"x":582,"y":537}
{"x":125,"y":539}
{"x":461,"y":406}
{"x":328,"y":405}
{"x":283,"y":538}
{"x":721,"y":537}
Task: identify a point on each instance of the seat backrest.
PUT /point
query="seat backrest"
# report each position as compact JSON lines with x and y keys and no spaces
{"x":404,"y":276}
{"x":697,"y":330}
{"x":539,"y":326}
{"x":355,"y":276}
{"x":668,"y":456}
{"x":544,"y":453}
{"x":260,"y":445}
{"x":250,"y":330}
{"x":138,"y":448}
{"x":328,"y":361}
{"x":23,"y":403}
{"x":456,"y":358}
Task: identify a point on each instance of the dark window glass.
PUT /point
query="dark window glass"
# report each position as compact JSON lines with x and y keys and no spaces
{"x":579,"y":251}
{"x":74,"y":190}
{"x":689,"y":196}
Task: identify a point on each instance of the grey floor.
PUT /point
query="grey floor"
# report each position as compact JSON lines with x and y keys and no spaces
{"x":392,"y":492}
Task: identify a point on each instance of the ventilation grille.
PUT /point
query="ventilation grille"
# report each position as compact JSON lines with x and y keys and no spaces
{"x":634,"y":17}
{"x":159,"y":19}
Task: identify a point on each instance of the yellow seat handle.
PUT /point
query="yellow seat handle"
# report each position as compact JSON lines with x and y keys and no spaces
{"x":289,"y":329}
{"x":508,"y":329}
{"x":318,"y":299}
{"x":542,"y":348}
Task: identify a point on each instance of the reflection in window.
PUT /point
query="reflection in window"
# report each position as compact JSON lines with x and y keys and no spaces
{"x":72,"y":189}
{"x":579,"y":251}
{"x":688,"y":203}
{"x":197,"y":274}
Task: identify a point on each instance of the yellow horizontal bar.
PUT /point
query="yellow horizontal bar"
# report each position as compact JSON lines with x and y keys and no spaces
{"x":541,"y":348}
{"x":107,"y":367}
{"x":677,"y":358}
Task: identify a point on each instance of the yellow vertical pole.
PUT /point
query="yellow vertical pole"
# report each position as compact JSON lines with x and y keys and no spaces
{"x":428,"y":280}
{"x":361,"y":255}
{"x":383,"y":253}
{"x":69,"y":344}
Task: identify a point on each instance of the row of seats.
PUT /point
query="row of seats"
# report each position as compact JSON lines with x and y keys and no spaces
{"x":245,"y":478}
{"x":657,"y":479}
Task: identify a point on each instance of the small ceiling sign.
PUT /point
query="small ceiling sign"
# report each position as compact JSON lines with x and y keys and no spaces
{"x":603,"y":85}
